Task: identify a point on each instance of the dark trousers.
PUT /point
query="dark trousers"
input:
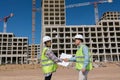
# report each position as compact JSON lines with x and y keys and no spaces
{"x":48,"y":77}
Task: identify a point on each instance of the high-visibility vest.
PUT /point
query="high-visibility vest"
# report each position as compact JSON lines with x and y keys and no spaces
{"x":48,"y":65}
{"x":80,"y":59}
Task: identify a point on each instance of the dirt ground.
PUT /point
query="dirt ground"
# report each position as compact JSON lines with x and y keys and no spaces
{"x":30,"y":72}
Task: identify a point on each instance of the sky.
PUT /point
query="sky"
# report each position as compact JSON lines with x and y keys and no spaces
{"x":21,"y":23}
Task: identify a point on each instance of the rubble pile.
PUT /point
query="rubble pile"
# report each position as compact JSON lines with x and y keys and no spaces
{"x":105,"y":64}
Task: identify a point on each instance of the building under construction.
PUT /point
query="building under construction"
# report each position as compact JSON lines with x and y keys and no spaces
{"x":13,"y":50}
{"x":103,"y":39}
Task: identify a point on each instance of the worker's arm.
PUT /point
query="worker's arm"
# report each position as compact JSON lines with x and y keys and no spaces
{"x":86,"y":56}
{"x":50,"y":55}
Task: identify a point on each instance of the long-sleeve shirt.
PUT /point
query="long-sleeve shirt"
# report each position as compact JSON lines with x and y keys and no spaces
{"x":51,"y":55}
{"x":86,"y":56}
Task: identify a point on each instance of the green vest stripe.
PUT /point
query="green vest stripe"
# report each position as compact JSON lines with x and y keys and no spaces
{"x":80,"y":57}
{"x":82,"y":61}
{"x":48,"y":64}
{"x":45,"y":60}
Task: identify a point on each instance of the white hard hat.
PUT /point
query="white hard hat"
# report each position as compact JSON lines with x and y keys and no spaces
{"x":46,"y":38}
{"x":110,"y":1}
{"x":79,"y":36}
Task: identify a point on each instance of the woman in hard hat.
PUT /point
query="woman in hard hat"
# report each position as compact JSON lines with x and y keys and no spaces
{"x":82,"y":58}
{"x":48,"y":59}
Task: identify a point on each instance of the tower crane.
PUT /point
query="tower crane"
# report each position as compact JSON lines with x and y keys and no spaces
{"x":91,"y":3}
{"x":5,"y":19}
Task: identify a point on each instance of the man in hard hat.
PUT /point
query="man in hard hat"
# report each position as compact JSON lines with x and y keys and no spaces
{"x":48,"y":59}
{"x":82,"y":58}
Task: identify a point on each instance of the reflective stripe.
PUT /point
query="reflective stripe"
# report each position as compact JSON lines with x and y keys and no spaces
{"x":48,"y":64}
{"x":45,"y":60}
{"x":81,"y":61}
{"x":80,"y":57}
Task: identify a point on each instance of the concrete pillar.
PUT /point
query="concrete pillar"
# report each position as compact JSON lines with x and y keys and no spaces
{"x":11,"y":60}
{"x":112,"y":58}
{"x":0,"y":60}
{"x":118,"y":57}
{"x":5,"y":60}
{"x":105,"y":58}
{"x":98,"y":57}
{"x":21,"y":60}
{"x":16,"y":60}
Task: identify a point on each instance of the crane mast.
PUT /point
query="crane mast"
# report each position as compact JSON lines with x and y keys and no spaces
{"x":96,"y":13}
{"x":34,"y":10}
{"x":33,"y":30}
{"x":91,"y":3}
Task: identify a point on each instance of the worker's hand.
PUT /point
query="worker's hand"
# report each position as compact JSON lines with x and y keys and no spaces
{"x":83,"y":70}
{"x":66,"y":60}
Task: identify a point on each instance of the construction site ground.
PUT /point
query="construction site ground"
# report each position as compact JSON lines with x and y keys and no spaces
{"x":103,"y":71}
